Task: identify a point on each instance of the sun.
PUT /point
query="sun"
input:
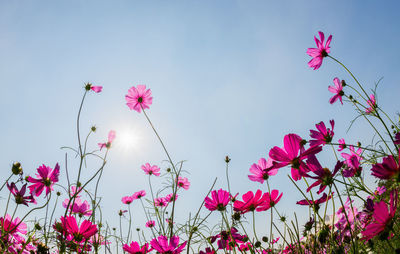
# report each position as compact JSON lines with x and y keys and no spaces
{"x":127,"y":139}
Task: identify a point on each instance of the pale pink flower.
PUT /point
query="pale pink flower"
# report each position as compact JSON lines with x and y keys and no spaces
{"x":138,"y":98}
{"x":183,"y":182}
{"x":262,"y":170}
{"x":111,"y":137}
{"x":151,"y":170}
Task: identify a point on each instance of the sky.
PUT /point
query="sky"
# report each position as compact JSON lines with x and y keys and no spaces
{"x":227,"y":78}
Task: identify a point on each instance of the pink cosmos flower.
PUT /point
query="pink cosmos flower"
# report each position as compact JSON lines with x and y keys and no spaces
{"x":111,"y":137}
{"x":96,"y":89}
{"x":275,"y":240}
{"x":292,"y":154}
{"x":251,"y":202}
{"x":323,"y":135}
{"x":183,"y":182}
{"x":161,"y":202}
{"x":337,"y":90}
{"x":323,"y":176}
{"x":163,"y":246}
{"x":127,"y":200}
{"x":76,"y":233}
{"x":139,"y":194}
{"x":134,"y":248}
{"x":342,"y":144}
{"x":372,"y":104}
{"x":353,"y":162}
{"x":13,"y":228}
{"x":46,"y":177}
{"x":79,"y":207}
{"x":271,"y":200}
{"x":380,"y":190}
{"x":171,"y":197}
{"x":151,"y":170}
{"x":388,"y":169}
{"x":382,"y":218}
{"x":218,"y":201}
{"x":314,"y":203}
{"x":320,"y":52}
{"x":150,"y":224}
{"x":138,"y":98}
{"x":262,"y":170}
{"x":19,"y":194}
{"x":226,"y":237}
{"x":347,"y":217}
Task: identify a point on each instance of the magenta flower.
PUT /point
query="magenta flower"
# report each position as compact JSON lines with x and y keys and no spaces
{"x":127,"y":200}
{"x":292,"y":154}
{"x":251,"y":202}
{"x":389,"y":168}
{"x":134,"y":248}
{"x":218,"y":201}
{"x":171,"y":197}
{"x":323,"y":135}
{"x":151,"y":170}
{"x":353,"y":162}
{"x":323,"y":176}
{"x":372,"y":104}
{"x":19,"y":194}
{"x":96,"y":89}
{"x":138,"y":98}
{"x":380,"y":190}
{"x":337,"y":90}
{"x":150,"y":224}
{"x":271,"y":200}
{"x":46,"y":177}
{"x":161,"y":202}
{"x":79,"y":207}
{"x":183,"y":182}
{"x":320,"y":52}
{"x":342,"y":144}
{"x":76,"y":233}
{"x":262,"y":170}
{"x":397,"y":138}
{"x":163,"y":246}
{"x":12,"y":227}
{"x":315,"y":203}
{"x":382,"y":218}
{"x":111,"y":137}
{"x":139,"y":194}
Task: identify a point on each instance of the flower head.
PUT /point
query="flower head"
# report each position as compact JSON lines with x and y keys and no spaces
{"x":138,"y":98}
{"x":46,"y":178}
{"x":161,"y":202}
{"x":79,"y":207}
{"x":77,"y":233}
{"x":111,"y":137}
{"x":342,"y":144}
{"x":315,"y":203}
{"x":251,"y":202}
{"x":163,"y":245}
{"x":171,"y":197}
{"x":353,"y":162}
{"x":389,"y":168}
{"x":271,"y":200}
{"x":151,"y":170}
{"x":19,"y":194}
{"x":139,"y":194}
{"x":183,"y":182}
{"x":218,"y":201}
{"x":262,"y":170}
{"x":96,"y":89}
{"x":337,"y":90}
{"x":382,"y":218}
{"x":320,"y":52}
{"x":135,"y":248}
{"x":372,"y":104}
{"x":150,"y":224}
{"x":293,"y":154}
{"x":127,"y":200}
{"x":323,"y":135}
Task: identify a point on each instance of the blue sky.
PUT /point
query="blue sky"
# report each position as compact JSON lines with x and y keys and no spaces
{"x":228,"y":78}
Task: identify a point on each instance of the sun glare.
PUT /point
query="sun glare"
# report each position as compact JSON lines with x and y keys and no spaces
{"x":127,"y":139}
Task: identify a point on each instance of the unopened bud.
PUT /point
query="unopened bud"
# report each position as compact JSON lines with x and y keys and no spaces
{"x":16,"y":168}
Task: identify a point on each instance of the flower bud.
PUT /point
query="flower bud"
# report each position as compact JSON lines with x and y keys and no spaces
{"x":16,"y":168}
{"x":227,"y":159}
